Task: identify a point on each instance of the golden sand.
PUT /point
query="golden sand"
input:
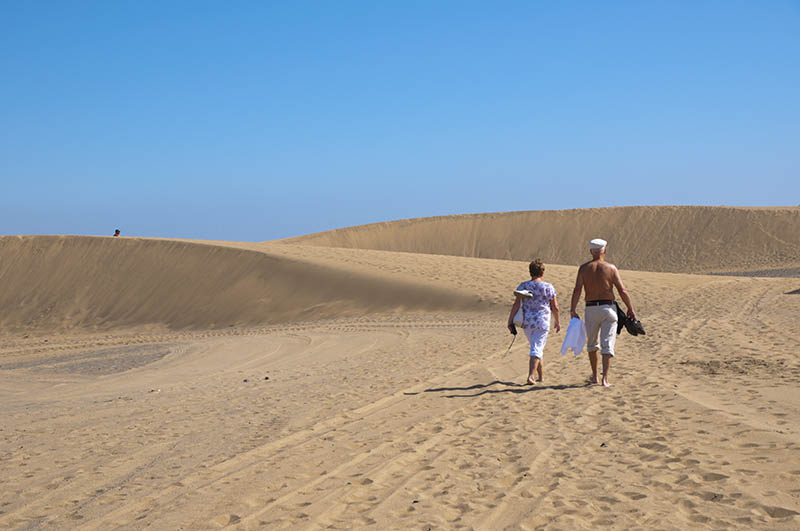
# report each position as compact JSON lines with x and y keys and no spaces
{"x":133,"y":388}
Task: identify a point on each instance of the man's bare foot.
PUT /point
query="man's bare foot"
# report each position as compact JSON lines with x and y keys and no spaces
{"x":605,"y":383}
{"x":530,"y":382}
{"x":594,"y":380}
{"x":540,"y":380}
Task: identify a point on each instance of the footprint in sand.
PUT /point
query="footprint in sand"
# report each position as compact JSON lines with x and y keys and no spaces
{"x":656,"y":447}
{"x":635,"y":495}
{"x":227,"y":519}
{"x":779,"y":512}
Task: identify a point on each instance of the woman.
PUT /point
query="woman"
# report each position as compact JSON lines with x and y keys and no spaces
{"x":537,"y":305}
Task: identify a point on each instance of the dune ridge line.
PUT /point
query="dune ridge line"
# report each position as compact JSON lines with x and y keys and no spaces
{"x":690,"y":239}
{"x":65,"y":282}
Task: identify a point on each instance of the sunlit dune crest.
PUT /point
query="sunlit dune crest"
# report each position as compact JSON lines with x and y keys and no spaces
{"x":689,"y":239}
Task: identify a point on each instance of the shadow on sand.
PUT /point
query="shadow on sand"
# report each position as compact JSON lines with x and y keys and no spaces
{"x":512,"y":387}
{"x":795,"y":292}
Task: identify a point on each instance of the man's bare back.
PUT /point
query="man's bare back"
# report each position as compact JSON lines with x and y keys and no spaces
{"x":598,"y":278}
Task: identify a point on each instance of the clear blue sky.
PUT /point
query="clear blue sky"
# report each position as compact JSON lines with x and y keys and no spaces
{"x":258,"y":120}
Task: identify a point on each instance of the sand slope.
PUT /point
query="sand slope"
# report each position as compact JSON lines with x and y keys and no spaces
{"x":669,"y":238}
{"x":127,"y":400}
{"x":57,"y":283}
{"x":414,"y":420}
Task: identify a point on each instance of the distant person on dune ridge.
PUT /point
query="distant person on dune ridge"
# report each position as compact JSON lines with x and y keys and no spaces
{"x":116,"y":233}
{"x":599,"y":278}
{"x":536,"y":310}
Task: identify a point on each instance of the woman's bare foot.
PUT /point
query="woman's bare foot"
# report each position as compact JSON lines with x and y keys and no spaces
{"x":605,"y":383}
{"x":593,"y":380}
{"x":530,"y":382}
{"x":539,"y":380}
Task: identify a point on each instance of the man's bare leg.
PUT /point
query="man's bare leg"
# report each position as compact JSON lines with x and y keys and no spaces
{"x":539,"y":370}
{"x":532,"y":365}
{"x":606,"y":368}
{"x":593,"y":363}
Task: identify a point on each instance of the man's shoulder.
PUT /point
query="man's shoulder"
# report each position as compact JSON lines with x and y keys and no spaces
{"x":599,"y":264}
{"x":597,"y":267}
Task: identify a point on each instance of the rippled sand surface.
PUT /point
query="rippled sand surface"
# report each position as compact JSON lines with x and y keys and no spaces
{"x":173,"y":384}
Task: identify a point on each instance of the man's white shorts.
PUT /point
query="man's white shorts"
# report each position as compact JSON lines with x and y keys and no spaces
{"x":537,"y":339}
{"x":601,"y":328}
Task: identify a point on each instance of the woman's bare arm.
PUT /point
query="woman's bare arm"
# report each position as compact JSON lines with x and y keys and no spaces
{"x":554,"y":310}
{"x":514,"y":308}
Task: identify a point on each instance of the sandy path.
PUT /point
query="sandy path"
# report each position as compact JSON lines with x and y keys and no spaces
{"x":423,"y":422}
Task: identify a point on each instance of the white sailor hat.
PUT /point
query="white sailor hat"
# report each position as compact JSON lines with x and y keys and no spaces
{"x":597,"y":244}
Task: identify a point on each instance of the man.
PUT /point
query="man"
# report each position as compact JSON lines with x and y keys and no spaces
{"x":599,"y":278}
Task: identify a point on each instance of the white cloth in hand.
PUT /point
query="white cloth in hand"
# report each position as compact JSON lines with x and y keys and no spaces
{"x":575,"y":338}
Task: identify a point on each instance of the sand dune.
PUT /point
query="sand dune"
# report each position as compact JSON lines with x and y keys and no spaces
{"x":56,"y":283}
{"x":670,"y":238}
{"x":364,"y":388}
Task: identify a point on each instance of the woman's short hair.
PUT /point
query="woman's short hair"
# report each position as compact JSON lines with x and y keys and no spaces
{"x":536,"y":268}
